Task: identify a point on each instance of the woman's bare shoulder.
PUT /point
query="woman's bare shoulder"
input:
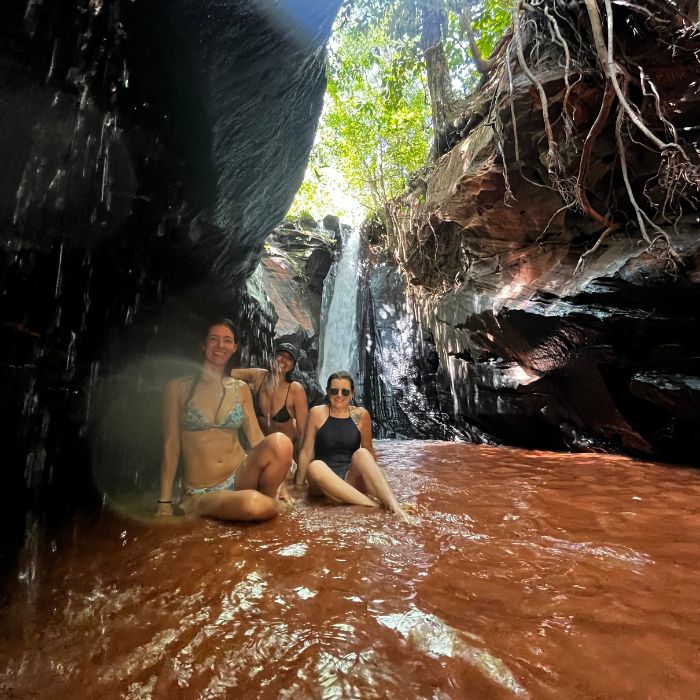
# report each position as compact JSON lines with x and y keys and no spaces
{"x":238,"y":385}
{"x":359,"y":413}
{"x":318,"y":413}
{"x":297,"y":387}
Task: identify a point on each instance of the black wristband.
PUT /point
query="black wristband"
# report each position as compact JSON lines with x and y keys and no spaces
{"x":164,"y":501}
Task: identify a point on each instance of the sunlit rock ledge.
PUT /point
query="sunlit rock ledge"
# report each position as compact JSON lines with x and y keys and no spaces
{"x":538,"y":352}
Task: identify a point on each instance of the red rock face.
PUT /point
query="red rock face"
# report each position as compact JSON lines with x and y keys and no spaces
{"x":537,"y":315}
{"x":294,"y":264}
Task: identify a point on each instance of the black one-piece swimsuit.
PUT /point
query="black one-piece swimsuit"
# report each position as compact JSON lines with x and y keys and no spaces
{"x":336,"y":441}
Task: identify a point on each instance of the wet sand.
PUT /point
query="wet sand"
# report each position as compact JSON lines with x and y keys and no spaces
{"x":526,"y":574}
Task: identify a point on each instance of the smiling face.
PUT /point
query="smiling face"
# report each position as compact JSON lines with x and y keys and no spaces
{"x":284,"y":362}
{"x":219,"y":345}
{"x":335,"y":393}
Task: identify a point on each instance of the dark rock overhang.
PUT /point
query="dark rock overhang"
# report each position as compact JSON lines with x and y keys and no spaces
{"x":148,"y":148}
{"x":196,"y":117}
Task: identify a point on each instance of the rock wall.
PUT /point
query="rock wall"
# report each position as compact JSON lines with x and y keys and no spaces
{"x":148,"y":149}
{"x":400,"y":380}
{"x":557,"y":333}
{"x":291,"y":275}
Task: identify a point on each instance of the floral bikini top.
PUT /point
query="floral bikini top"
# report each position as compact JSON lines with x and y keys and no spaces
{"x":193,"y":420}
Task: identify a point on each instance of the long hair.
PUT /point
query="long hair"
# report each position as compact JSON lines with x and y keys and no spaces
{"x":340,"y":375}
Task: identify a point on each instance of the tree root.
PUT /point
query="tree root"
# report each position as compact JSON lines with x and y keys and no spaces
{"x":547,"y":35}
{"x":593,"y":134}
{"x":552,"y":158}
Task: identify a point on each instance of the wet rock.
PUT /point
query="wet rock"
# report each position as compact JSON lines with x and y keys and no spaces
{"x":543,"y":347}
{"x":148,"y":150}
{"x":400,"y":381}
{"x":294,"y":265}
{"x":331,"y":223}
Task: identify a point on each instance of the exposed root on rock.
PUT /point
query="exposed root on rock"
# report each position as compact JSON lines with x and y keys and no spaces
{"x":572,"y":64}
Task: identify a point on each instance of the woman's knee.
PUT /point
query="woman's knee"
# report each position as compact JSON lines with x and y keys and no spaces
{"x":281,"y":446}
{"x":258,"y":506}
{"x":316,"y":470}
{"x":362,"y":457}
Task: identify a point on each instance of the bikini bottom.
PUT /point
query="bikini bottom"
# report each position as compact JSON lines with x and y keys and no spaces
{"x":229,"y":484}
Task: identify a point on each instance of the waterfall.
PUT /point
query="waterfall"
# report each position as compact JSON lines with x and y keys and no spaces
{"x":339,"y":340}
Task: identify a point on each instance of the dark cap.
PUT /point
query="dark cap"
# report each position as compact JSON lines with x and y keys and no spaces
{"x":289,"y":349}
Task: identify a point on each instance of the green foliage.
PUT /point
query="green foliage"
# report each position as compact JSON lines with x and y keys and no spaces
{"x":403,"y":19}
{"x":313,"y":198}
{"x":375,"y":129}
{"x":491,"y":19}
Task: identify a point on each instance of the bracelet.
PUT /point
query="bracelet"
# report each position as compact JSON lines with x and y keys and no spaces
{"x":164,"y":501}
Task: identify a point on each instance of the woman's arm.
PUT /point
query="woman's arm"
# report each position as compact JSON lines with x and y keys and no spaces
{"x":301,"y":410}
{"x":252,"y":375}
{"x":306,"y":454}
{"x":365,"y":427}
{"x":250,"y":424}
{"x":171,"y":445}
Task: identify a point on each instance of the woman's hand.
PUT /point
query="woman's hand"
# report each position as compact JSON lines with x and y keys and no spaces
{"x":283,"y":495}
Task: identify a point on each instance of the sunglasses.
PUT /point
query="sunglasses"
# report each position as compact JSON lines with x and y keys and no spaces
{"x":335,"y":392}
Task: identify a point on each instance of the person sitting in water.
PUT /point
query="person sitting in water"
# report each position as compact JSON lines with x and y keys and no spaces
{"x":337,"y":457}
{"x":201,"y":419}
{"x":280,"y":402}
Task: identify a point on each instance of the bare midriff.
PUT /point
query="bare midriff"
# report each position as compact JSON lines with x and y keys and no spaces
{"x":210,"y":456}
{"x":526,"y":575}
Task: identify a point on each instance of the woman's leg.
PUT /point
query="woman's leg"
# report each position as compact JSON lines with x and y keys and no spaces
{"x":232,"y":505}
{"x":266,"y":465}
{"x":366,"y":476}
{"x":322,"y":478}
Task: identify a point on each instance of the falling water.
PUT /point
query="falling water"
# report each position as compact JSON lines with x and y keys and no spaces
{"x":339,"y":340}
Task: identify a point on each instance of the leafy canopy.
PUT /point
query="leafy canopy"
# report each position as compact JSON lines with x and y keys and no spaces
{"x":375,"y":129}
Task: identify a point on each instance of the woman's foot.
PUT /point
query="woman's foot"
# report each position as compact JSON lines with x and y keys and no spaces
{"x":283,"y":495}
{"x":405,"y":512}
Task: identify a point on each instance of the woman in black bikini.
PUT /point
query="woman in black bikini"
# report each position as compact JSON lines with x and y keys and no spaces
{"x":337,"y":457}
{"x":201,"y":419}
{"x":280,"y":403}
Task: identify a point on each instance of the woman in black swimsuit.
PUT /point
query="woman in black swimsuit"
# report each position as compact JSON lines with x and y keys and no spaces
{"x":280,"y":404}
{"x":337,"y":457}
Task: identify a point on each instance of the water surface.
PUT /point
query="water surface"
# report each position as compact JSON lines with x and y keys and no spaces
{"x":526,"y":575}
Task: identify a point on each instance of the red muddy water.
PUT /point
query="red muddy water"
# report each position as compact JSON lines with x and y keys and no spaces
{"x":525,"y":574}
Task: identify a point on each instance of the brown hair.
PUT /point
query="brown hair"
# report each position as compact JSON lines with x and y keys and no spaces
{"x":340,"y":375}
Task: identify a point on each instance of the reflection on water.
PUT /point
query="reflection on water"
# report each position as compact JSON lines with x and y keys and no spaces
{"x":526,"y":574}
{"x":432,"y":636}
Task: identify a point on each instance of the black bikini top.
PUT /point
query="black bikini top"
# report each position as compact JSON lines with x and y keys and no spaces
{"x":282,"y":416}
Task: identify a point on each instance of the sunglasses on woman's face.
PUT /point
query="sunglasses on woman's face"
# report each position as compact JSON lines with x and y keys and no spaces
{"x":334,"y":392}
